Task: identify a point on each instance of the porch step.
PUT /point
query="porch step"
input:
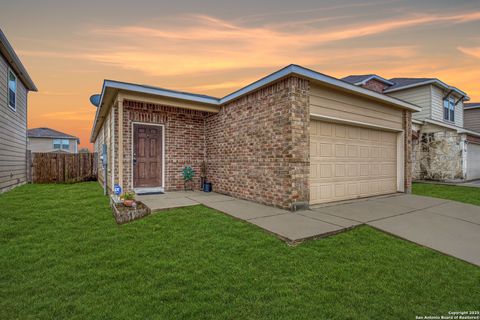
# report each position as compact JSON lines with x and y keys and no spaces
{"x":147,"y":191}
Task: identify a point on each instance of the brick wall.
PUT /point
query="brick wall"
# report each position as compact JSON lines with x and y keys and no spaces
{"x":375,"y":85}
{"x":184,"y":140}
{"x":258,"y":147}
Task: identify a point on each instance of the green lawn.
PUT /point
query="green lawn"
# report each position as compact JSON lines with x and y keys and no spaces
{"x":63,"y":256}
{"x":457,"y":193}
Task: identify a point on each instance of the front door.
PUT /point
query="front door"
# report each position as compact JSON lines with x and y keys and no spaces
{"x":147,"y":156}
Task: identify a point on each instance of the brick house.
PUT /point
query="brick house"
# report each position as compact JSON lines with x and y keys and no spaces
{"x":294,"y":138}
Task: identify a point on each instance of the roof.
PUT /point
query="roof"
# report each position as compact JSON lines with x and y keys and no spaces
{"x":471,"y":105}
{"x":405,"y":83}
{"x":364,"y":78}
{"x":282,"y":73}
{"x":396,"y":84}
{"x":49,"y":133}
{"x":7,"y":51}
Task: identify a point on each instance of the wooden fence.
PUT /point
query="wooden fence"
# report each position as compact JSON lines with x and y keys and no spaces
{"x":62,"y":167}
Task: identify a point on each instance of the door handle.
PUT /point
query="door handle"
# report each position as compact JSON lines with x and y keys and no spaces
{"x":134,"y":159}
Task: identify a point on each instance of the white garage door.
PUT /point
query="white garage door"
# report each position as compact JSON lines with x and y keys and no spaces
{"x":473,"y":161}
{"x":348,"y":162}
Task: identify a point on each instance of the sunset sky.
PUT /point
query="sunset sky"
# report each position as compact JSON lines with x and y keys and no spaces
{"x":215,"y":47}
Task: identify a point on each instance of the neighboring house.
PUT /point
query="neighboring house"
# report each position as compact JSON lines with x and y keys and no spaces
{"x":294,"y":138}
{"x":444,"y":148}
{"x":14,"y":86}
{"x":49,"y":140}
{"x":472,"y":116}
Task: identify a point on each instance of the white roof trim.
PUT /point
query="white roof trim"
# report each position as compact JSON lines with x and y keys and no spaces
{"x":375,"y":77}
{"x":289,"y":70}
{"x":458,"y":129}
{"x":12,"y":58}
{"x":432,"y":81}
{"x":471,"y":107}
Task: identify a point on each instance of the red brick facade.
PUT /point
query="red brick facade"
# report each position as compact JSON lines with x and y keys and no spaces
{"x":375,"y":85}
{"x":257,"y":146}
{"x":184,"y":137}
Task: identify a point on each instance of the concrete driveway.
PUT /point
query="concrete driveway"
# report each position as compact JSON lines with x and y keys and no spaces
{"x":446,"y":226}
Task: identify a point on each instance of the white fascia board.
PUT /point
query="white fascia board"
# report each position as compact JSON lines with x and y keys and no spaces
{"x":433,"y":81}
{"x":159,"y":92}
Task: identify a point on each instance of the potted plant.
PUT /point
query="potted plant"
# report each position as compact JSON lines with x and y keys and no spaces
{"x":128,"y":199}
{"x":188,"y":173}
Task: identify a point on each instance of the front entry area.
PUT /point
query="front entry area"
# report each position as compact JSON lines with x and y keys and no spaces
{"x":147,"y":156}
{"x":349,"y":162}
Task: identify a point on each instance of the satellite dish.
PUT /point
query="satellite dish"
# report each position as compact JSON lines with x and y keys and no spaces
{"x":95,"y":99}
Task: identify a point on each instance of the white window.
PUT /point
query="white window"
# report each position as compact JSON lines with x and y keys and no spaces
{"x":12,"y":90}
{"x":61,"y":144}
{"x":449,"y":109}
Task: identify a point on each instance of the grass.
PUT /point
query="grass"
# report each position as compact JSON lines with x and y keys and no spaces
{"x":63,"y":256}
{"x":457,"y":193}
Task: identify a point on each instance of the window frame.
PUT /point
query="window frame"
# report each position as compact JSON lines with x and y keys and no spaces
{"x":65,"y":143}
{"x":14,"y":107}
{"x":449,"y":109}
{"x":59,"y":144}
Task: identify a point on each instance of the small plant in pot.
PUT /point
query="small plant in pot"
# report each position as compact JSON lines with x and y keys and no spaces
{"x":188,"y":173}
{"x":128,"y":199}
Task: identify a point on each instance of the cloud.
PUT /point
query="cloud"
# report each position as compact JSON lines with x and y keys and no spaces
{"x":204,"y":44}
{"x":471,"y":51}
{"x":70,"y":115}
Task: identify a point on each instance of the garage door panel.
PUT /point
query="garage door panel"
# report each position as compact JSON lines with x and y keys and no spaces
{"x":473,"y":161}
{"x":350,"y":162}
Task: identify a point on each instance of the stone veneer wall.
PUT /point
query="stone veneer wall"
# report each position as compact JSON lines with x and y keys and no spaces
{"x":258,"y":145}
{"x":439,"y":156}
{"x":184,"y":140}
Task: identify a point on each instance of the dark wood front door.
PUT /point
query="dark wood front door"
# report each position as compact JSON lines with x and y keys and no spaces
{"x":147,"y":156}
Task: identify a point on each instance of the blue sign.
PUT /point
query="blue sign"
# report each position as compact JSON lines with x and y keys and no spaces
{"x":117,"y":189}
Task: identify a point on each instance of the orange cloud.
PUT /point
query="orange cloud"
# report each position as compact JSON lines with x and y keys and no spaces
{"x":472,"y":51}
{"x":206,"y":44}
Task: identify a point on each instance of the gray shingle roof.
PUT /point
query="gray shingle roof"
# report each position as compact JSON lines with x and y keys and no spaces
{"x":402,"y":82}
{"x":48,"y":133}
{"x":357,"y":78}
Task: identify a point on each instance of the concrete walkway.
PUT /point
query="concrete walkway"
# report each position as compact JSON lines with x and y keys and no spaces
{"x":446,"y":226}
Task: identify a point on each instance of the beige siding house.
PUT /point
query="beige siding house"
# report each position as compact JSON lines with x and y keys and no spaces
{"x":14,"y":86}
{"x":50,"y":140}
{"x":444,"y":147}
{"x":291,"y":139}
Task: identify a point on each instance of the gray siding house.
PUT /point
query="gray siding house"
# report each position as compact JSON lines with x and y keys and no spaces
{"x":14,"y":86}
{"x":50,"y":140}
{"x":472,"y":116}
{"x":445,"y":148}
